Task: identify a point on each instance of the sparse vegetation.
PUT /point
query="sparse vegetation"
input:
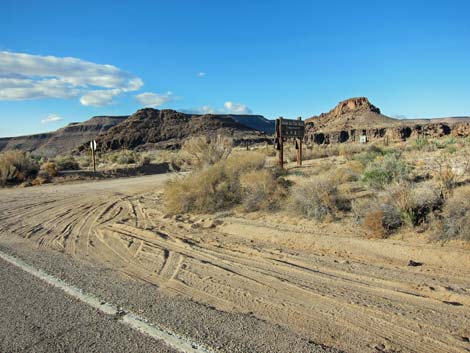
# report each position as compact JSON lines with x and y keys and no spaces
{"x":16,"y":167}
{"x":456,"y":216}
{"x":201,"y":152}
{"x":219,"y":186}
{"x":66,"y":163}
{"x":49,"y":169}
{"x":318,"y":198}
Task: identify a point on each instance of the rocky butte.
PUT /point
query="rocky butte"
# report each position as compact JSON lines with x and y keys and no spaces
{"x":354,"y":117}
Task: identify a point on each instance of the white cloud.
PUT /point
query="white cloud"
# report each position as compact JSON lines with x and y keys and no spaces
{"x":153,"y":100}
{"x":51,"y":118}
{"x":237,"y":108}
{"x":229,"y":108}
{"x":26,"y":76}
{"x":201,"y":74}
{"x":205,"y":109}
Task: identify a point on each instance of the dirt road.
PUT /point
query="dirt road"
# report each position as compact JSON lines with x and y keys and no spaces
{"x":306,"y":282}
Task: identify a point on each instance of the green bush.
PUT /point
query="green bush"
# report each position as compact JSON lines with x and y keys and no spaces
{"x":66,"y":163}
{"x":384,"y":170}
{"x":123,"y":157}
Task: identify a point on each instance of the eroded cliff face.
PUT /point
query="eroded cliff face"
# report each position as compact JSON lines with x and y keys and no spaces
{"x":63,"y":140}
{"x":355,"y":117}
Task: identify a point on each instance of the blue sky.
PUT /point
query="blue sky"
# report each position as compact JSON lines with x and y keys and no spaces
{"x":275,"y":58}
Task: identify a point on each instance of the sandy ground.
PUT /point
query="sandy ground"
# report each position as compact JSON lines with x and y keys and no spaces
{"x":325,"y":282}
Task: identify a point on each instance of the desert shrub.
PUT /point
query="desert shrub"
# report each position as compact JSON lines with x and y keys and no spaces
{"x":217,"y":187}
{"x":16,"y":167}
{"x":345,"y":175}
{"x":456,"y":216}
{"x":317,"y":198}
{"x":369,"y":155}
{"x":261,"y":189}
{"x":448,"y":171}
{"x":382,"y":221}
{"x":379,"y":219}
{"x":422,"y":143}
{"x":322,"y":151}
{"x":173,"y":158}
{"x":49,"y":169}
{"x":355,"y":167}
{"x":413,"y":202}
{"x":348,"y":150}
{"x":201,"y":152}
{"x":385,"y":170}
{"x":398,"y":205}
{"x":145,"y":159}
{"x":84,"y":161}
{"x":66,"y":163}
{"x":42,"y":178}
{"x":123,"y":157}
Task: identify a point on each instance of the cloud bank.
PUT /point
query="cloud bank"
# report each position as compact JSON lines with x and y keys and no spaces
{"x":26,"y":76}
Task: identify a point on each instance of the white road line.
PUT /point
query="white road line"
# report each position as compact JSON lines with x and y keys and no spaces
{"x":173,"y":340}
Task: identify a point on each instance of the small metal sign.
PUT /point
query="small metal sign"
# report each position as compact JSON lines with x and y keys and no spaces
{"x":290,"y":128}
{"x":93,"y":145}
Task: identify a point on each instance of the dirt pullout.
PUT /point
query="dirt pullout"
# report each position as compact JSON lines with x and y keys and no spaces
{"x":323,"y":282}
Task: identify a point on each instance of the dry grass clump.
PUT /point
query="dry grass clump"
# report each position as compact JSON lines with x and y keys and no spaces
{"x":49,"y":169}
{"x":201,"y":152}
{"x":16,"y":167}
{"x":261,"y":189}
{"x":318,"y":198}
{"x":456,"y":216}
{"x":239,"y":179}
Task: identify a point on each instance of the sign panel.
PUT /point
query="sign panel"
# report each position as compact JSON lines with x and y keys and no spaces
{"x":290,"y":128}
{"x":93,"y":145}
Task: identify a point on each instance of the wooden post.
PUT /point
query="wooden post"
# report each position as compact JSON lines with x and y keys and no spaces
{"x":299,"y":151}
{"x":281,"y":143}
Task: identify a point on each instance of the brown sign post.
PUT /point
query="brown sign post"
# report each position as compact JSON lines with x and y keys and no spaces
{"x":287,"y":128}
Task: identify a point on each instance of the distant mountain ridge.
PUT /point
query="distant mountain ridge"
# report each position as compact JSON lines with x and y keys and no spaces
{"x":76,"y":135}
{"x":63,"y":140}
{"x":151,"y":128}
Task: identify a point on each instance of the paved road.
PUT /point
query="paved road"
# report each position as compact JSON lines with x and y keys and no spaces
{"x":37,"y":317}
